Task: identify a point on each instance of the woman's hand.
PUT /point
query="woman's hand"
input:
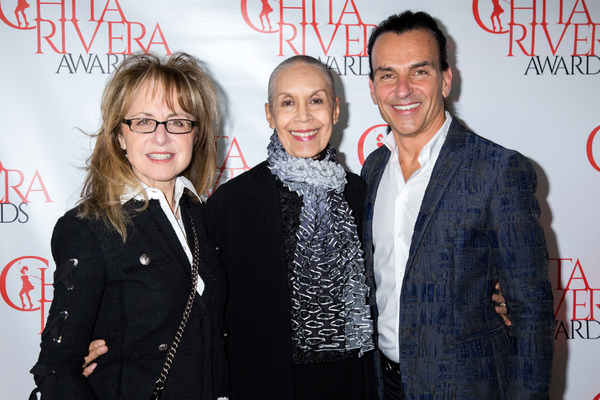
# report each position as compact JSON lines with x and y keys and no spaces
{"x":95,"y":350}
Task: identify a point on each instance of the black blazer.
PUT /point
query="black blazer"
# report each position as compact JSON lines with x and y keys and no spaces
{"x":244,"y":221}
{"x":132,"y":295}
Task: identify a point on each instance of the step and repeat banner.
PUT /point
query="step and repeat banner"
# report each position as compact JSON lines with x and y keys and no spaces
{"x":526,"y":75}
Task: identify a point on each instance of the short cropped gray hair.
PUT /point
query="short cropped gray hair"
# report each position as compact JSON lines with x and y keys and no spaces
{"x":300,"y":59}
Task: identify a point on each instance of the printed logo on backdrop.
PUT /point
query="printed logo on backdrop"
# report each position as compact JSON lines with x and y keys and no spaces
{"x":17,"y":191}
{"x":233,"y":162}
{"x":371,"y":140}
{"x":24,"y":287}
{"x":334,"y":32}
{"x":577,"y":310}
{"x":554,"y":37}
{"x":93,"y":36}
{"x":591,"y":145}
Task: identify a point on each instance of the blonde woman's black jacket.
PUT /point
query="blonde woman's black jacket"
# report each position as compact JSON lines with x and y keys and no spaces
{"x":132,"y":295}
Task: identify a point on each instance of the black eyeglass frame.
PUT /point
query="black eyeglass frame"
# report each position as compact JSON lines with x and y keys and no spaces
{"x":192,"y":123}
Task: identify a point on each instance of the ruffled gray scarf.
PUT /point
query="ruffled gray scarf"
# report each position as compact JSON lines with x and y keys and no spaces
{"x":328,"y":285}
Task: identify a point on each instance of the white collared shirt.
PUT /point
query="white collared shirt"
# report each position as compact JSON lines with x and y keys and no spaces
{"x":395,"y":213}
{"x":174,"y":218}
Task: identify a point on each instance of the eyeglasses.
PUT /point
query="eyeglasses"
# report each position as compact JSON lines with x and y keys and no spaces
{"x":148,"y":125}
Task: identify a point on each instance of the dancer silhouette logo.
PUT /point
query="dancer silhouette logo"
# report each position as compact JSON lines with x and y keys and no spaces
{"x":371,"y":140}
{"x":23,"y":286}
{"x":99,"y":29}
{"x":20,"y":12}
{"x":324,"y":25}
{"x":543,"y":26}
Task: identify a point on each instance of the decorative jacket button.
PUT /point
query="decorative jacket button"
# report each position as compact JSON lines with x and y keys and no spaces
{"x":145,"y":259}
{"x":163,"y":347}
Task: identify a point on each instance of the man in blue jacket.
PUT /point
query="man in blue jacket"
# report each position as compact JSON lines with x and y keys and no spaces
{"x":448,"y":214}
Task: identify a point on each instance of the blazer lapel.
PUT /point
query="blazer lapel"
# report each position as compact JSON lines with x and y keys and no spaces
{"x":204,"y":271}
{"x":445,"y":167}
{"x":158,"y":233}
{"x":170,"y":237}
{"x":373,"y":177}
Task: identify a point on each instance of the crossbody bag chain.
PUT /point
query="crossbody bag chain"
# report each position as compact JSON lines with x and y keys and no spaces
{"x":161,"y":382}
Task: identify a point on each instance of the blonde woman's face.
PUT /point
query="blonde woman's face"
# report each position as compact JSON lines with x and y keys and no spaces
{"x":157,"y":158}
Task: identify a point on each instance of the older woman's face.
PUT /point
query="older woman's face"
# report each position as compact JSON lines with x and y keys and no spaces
{"x":157,"y":158}
{"x":303,"y":111}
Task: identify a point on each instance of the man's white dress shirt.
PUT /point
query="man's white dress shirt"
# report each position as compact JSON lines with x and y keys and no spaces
{"x":396,"y":209}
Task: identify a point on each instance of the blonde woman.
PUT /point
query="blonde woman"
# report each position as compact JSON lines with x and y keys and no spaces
{"x":134,"y":252}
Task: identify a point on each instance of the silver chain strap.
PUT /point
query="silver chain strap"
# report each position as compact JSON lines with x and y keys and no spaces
{"x":161,"y":382}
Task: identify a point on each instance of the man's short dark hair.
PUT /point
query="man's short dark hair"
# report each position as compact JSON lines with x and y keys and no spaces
{"x":405,"y":22}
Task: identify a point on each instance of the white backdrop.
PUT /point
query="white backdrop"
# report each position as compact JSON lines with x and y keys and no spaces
{"x":531,"y":85}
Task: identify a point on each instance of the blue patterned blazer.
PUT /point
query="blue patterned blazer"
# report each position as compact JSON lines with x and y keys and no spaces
{"x":478,"y":224}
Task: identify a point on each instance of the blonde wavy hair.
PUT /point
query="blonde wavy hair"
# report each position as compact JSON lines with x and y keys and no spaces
{"x":109,"y":172}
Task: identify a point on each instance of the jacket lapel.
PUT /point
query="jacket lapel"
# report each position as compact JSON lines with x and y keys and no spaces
{"x":373,"y":176}
{"x":170,"y":237}
{"x":157,"y":233}
{"x":204,"y":271}
{"x":445,"y":167}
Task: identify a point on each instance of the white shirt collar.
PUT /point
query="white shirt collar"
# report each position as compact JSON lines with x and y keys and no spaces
{"x":431,"y":150}
{"x":181,"y":183}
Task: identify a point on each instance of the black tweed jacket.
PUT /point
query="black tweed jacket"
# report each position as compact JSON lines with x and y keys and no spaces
{"x":132,"y":295}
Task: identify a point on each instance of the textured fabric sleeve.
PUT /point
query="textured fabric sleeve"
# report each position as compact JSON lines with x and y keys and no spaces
{"x":354,"y":193}
{"x":366,"y":170}
{"x":78,"y":289}
{"x":520,"y":256}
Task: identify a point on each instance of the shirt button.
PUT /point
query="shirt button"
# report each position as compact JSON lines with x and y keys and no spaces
{"x":399,"y":234}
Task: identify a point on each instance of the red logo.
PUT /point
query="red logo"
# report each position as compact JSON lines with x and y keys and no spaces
{"x":67,"y":27}
{"x":371,"y":140}
{"x":233,"y":162}
{"x":547,"y":25}
{"x":491,"y":10}
{"x":23,"y":285}
{"x":299,"y":25}
{"x":585,"y":298}
{"x":580,"y":298}
{"x":12,"y":183}
{"x":17,"y":190}
{"x":264,"y":16}
{"x":20,"y":12}
{"x":590,"y":149}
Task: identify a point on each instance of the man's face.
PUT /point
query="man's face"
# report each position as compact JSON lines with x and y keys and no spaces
{"x":408,"y":85}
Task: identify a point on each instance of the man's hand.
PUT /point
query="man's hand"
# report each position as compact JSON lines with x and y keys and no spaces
{"x":95,"y":350}
{"x":501,"y":307}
